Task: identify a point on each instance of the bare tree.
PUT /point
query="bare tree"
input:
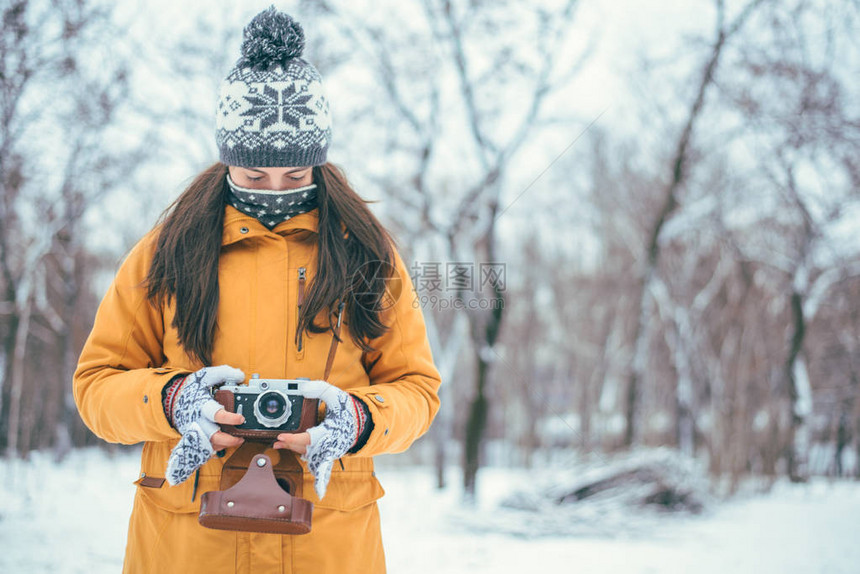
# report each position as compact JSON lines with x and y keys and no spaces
{"x":723,"y":34}
{"x":48,"y":48}
{"x":476,"y":45}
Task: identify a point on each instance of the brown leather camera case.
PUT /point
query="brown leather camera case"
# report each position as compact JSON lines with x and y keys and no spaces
{"x":256,"y":503}
{"x":308,"y":419}
{"x":285,"y":465}
{"x":254,"y":497}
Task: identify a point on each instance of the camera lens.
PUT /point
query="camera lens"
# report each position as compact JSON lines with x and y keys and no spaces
{"x":273,"y":404}
{"x":272,"y":408}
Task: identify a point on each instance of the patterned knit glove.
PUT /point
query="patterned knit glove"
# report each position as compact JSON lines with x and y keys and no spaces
{"x":194,"y":417}
{"x":332,"y":438}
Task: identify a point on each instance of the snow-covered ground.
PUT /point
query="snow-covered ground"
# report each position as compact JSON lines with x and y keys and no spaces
{"x":72,"y":517}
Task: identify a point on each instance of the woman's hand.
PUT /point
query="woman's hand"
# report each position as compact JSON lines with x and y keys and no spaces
{"x":296,"y":442}
{"x":195,"y":415}
{"x":221,"y":440}
{"x":321,"y":445}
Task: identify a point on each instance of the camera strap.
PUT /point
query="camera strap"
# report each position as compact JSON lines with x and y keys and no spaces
{"x":335,"y":339}
{"x":285,"y":467}
{"x":261,"y":488}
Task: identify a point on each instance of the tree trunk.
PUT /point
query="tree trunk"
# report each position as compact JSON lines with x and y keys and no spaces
{"x":442,"y":434}
{"x":71,"y":298}
{"x":6,"y":361}
{"x":445,"y":354}
{"x":485,"y":337}
{"x":842,"y":440}
{"x":475,"y":429}
{"x":439,"y":463}
{"x":479,"y":409}
{"x":800,"y":395}
{"x":640,"y":339}
{"x":17,"y":378}
{"x":631,"y":409}
{"x":685,"y":426}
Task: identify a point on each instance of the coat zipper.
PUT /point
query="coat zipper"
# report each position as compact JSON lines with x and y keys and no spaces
{"x":301,"y":300}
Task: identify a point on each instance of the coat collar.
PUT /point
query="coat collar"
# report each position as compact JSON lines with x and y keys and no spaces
{"x":239,"y":226}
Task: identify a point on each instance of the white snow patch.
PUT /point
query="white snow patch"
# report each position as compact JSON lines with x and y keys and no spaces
{"x":72,"y":517}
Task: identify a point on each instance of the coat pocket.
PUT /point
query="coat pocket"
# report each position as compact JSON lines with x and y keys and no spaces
{"x":351,"y":487}
{"x":155,"y":489}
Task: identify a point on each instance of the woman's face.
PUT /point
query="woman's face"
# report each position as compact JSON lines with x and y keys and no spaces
{"x":278,"y":178}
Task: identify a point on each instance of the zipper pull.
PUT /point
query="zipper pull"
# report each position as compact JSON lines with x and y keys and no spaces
{"x":301,"y":300}
{"x":302,"y":277}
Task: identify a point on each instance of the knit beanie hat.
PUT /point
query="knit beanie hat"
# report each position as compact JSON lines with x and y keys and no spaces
{"x":272,"y":108}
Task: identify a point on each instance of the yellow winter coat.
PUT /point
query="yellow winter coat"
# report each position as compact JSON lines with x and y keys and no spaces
{"x":133,"y":352}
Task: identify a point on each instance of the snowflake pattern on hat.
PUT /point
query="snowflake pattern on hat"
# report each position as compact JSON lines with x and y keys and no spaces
{"x":272,"y":106}
{"x":278,"y":118}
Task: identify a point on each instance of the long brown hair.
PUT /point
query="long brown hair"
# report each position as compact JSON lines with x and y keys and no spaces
{"x":185,"y":264}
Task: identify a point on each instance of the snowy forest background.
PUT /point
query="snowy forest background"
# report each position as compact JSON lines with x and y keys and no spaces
{"x":672,"y":191}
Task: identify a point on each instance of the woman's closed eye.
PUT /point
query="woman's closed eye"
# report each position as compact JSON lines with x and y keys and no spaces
{"x":300,"y":178}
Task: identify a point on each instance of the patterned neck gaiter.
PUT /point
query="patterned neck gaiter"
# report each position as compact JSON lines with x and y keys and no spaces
{"x":271,"y":206}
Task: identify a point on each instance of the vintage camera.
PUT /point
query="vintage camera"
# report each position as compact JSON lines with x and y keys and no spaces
{"x":270,"y":407}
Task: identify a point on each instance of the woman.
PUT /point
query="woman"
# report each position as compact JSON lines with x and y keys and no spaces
{"x":265,"y":259}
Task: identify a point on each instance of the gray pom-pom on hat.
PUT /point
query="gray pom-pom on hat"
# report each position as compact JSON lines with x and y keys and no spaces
{"x":272,"y":106}
{"x":271,"y":37}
